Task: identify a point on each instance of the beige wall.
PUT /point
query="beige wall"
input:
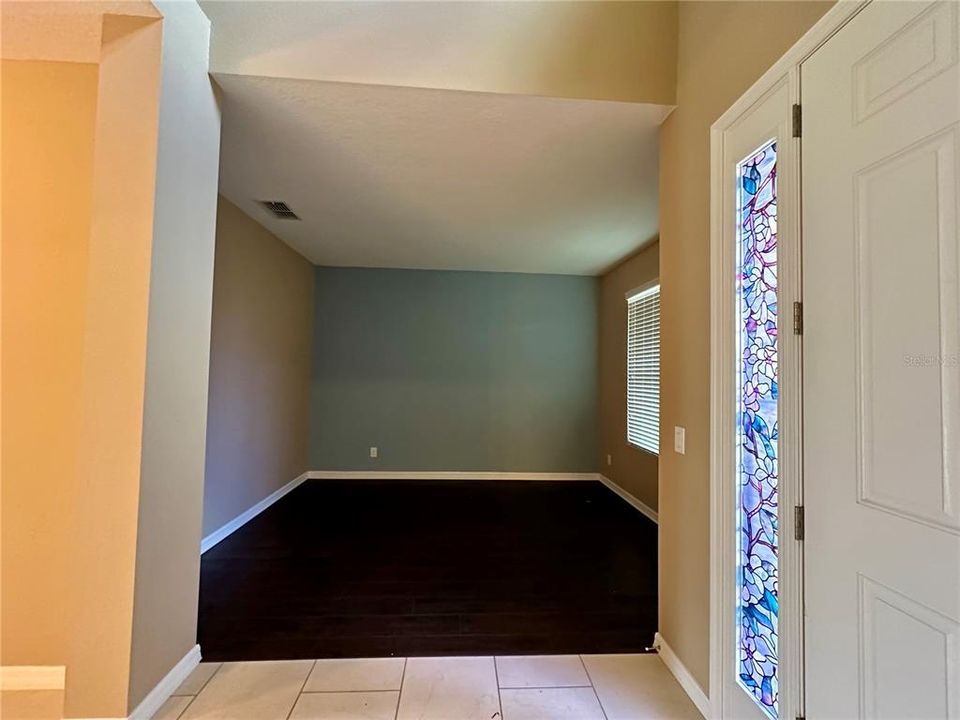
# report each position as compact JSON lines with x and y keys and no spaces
{"x":49,"y":117}
{"x":77,"y":230}
{"x":631,"y":468}
{"x":259,"y":367}
{"x":31,"y":704}
{"x":112,"y":369}
{"x":75,"y":298}
{"x":723,"y":48}
{"x":178,"y":353}
{"x":105,"y":340}
{"x":622,"y":51}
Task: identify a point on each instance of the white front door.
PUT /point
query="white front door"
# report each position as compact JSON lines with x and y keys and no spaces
{"x":881,"y":365}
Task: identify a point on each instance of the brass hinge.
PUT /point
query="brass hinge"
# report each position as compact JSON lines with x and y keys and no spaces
{"x":798,"y":318}
{"x":798,"y":529}
{"x":797,"y":120}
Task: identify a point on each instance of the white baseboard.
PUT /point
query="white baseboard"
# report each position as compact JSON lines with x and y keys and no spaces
{"x":243,"y":518}
{"x":14,"y":678}
{"x":638,"y":504}
{"x":683,"y":676}
{"x":443,"y":475}
{"x":166,"y":687}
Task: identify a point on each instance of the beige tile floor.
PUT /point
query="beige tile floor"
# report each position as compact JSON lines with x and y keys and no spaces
{"x":542,"y":687}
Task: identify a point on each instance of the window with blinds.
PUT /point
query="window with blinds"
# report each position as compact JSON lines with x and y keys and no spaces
{"x":643,"y":369}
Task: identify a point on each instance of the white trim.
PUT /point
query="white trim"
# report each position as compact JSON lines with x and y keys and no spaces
{"x":243,"y":518}
{"x":635,"y":502}
{"x":52,"y":678}
{"x":683,"y":676}
{"x":720,"y":329}
{"x":825,"y":28}
{"x":444,"y":475}
{"x":642,"y":449}
{"x":167,"y":686}
{"x":721,"y":420}
{"x":641,"y":289}
{"x":32,"y":677}
{"x":768,"y":118}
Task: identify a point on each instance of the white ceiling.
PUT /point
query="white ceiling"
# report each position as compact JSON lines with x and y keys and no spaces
{"x":388,"y":176}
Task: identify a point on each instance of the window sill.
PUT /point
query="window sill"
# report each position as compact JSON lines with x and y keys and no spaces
{"x":643,"y":450}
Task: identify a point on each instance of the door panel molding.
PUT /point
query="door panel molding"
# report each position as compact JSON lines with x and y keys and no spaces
{"x":881,"y":378}
{"x":919,"y":51}
{"x":880,"y":606}
{"x":931,"y":164}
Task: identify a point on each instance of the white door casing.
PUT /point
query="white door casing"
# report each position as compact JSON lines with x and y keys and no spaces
{"x":767,"y":118}
{"x":881,"y":365}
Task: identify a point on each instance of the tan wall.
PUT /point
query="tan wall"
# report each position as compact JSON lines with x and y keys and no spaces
{"x":723,"y":48}
{"x":622,"y":51}
{"x":101,"y":567}
{"x":259,"y":367}
{"x":31,"y":704}
{"x":178,"y":352}
{"x":82,"y":329}
{"x":49,"y":117}
{"x":631,"y":468}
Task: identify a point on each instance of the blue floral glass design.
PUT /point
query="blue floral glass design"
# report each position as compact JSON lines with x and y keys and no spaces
{"x":757,"y":467}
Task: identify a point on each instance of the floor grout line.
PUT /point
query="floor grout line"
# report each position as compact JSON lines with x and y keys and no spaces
{"x":197,"y":693}
{"x":293,"y":707}
{"x":543,"y":687}
{"x":185,"y":707}
{"x":403,"y":676}
{"x":595,"y":693}
{"x":496,"y":676}
{"x":314,"y":664}
{"x":340,"y":692}
{"x":207,"y":682}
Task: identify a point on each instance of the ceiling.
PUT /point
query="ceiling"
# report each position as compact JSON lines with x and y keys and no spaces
{"x":392,"y":172}
{"x":402,"y":177}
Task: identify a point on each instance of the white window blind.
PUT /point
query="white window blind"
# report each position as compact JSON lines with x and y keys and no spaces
{"x":643,"y":369}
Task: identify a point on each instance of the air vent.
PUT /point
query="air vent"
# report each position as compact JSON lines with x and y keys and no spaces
{"x":279,"y":209}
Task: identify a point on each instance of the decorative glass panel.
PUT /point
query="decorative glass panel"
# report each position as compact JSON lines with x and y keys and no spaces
{"x":757,"y":467}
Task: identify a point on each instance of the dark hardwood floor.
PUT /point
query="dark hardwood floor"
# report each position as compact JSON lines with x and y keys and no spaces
{"x":407,"y":568}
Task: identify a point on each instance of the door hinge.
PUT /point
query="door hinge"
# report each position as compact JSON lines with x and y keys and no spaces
{"x":798,"y":318}
{"x":797,"y":120}
{"x":798,"y":529}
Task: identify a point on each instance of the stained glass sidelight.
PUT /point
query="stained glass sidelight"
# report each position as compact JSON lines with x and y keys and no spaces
{"x":757,"y":467}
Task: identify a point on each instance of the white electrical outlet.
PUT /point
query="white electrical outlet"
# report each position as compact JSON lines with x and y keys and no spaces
{"x":373,"y":452}
{"x":609,"y":459}
{"x":679,"y":440}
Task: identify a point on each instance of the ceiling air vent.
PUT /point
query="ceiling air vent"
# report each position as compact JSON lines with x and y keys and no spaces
{"x":279,"y":209}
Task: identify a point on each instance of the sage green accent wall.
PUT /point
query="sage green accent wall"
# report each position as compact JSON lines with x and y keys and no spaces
{"x":466,"y":371}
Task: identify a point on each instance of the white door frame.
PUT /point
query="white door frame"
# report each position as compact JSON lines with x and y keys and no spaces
{"x":723,"y":371}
